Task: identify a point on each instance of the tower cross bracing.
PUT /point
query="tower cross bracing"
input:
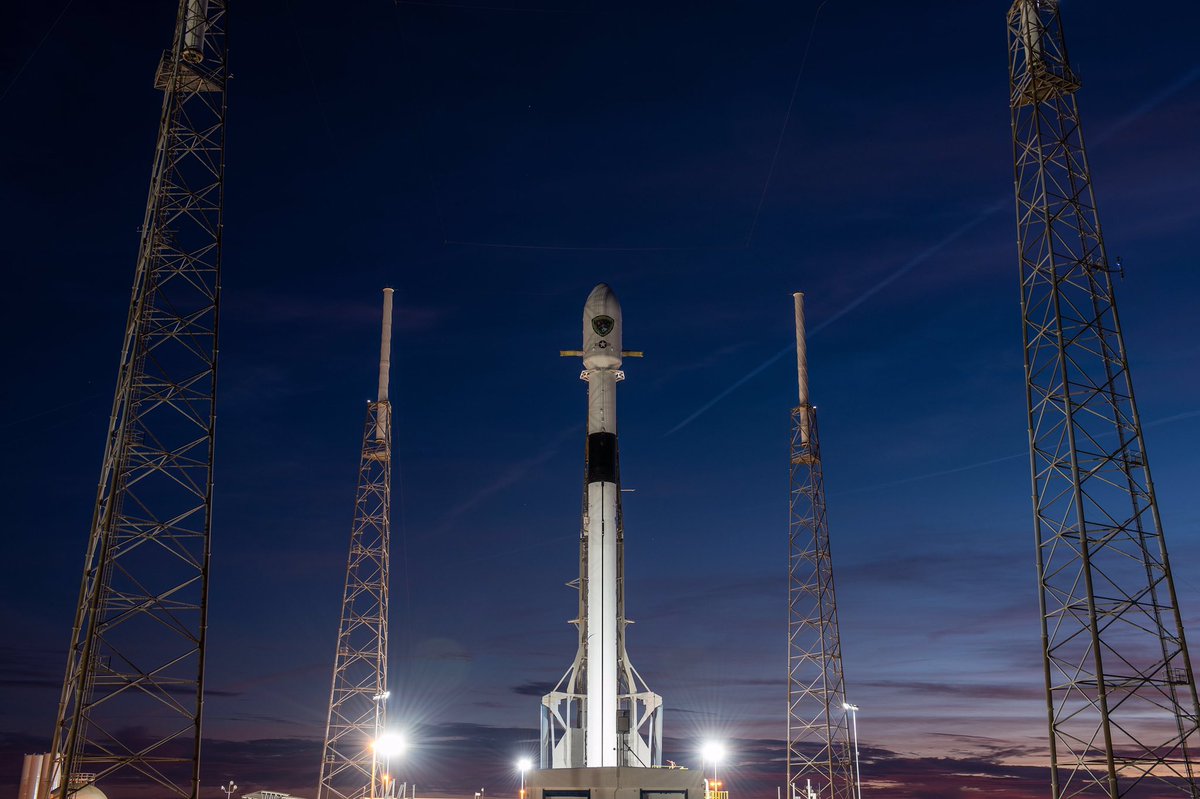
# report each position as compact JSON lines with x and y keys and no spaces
{"x":1121,"y":695}
{"x":130,"y":710}
{"x":359,"y":692}
{"x":818,"y":735}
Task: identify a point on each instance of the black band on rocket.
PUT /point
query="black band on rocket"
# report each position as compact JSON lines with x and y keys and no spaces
{"x":602,"y":458}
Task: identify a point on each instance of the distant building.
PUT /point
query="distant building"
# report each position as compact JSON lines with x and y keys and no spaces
{"x":268,"y":795}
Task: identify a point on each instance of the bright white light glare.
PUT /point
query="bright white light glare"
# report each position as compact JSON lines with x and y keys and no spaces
{"x":524,"y":764}
{"x":712,"y":752}
{"x":848,"y":706}
{"x":390,"y":745}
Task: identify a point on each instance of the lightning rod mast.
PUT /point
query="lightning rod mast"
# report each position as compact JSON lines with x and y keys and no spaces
{"x":1120,"y":692}
{"x":358,"y":697}
{"x":130,"y":708}
{"x":818,"y":751}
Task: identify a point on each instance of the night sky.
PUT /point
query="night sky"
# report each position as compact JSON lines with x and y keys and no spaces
{"x":493,"y":164}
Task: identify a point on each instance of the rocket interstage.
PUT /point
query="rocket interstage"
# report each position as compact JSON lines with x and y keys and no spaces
{"x":601,"y":713}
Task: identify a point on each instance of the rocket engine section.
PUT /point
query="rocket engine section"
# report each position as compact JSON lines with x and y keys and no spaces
{"x":601,"y":713}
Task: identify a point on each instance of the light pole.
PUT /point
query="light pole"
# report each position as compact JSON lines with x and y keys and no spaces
{"x":853,"y":711}
{"x":387,"y":746}
{"x":379,"y":699}
{"x":523,"y":765}
{"x":229,"y":788}
{"x":712,"y":752}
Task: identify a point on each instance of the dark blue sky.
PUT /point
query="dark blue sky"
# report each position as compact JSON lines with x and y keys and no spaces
{"x":492,"y":166}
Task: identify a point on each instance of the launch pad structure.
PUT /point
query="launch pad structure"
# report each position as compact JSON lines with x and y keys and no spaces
{"x":133,"y":691}
{"x":615,"y":782}
{"x":1124,"y":720}
{"x":1121,"y":699}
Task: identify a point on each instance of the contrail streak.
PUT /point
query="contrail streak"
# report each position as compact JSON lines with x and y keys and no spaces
{"x":907,"y":267}
{"x":1178,"y":417}
{"x":1166,"y":93}
{"x":1170,"y":90}
{"x":929,"y":475}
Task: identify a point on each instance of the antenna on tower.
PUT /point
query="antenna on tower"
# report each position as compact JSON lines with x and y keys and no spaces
{"x":819,"y":753}
{"x":132,"y":696}
{"x":358,"y":697}
{"x":1120,"y":691}
{"x":385,"y":366}
{"x":801,"y":364}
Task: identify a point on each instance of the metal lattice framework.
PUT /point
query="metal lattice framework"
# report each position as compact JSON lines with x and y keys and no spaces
{"x":1121,"y":696}
{"x":131,"y":704}
{"x":819,"y":760}
{"x":357,"y":699}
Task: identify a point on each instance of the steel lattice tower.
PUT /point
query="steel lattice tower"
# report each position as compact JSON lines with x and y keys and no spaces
{"x":357,"y":699}
{"x":1121,"y":696}
{"x":818,"y":751}
{"x":131,"y":703}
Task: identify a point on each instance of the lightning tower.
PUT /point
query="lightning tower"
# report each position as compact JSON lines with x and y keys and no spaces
{"x":130,"y":708}
{"x":1120,"y":692}
{"x":818,"y":752}
{"x":358,"y":697}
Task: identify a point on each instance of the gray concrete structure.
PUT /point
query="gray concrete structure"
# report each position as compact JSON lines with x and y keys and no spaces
{"x":614,"y":782}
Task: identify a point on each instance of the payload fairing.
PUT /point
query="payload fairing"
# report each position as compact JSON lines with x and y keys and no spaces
{"x":601,"y":713}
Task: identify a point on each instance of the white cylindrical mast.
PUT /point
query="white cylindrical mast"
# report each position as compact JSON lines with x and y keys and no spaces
{"x":1031,"y":35}
{"x":801,"y":349}
{"x":385,"y":368}
{"x":801,"y":366}
{"x":385,"y":346}
{"x":195,"y":25}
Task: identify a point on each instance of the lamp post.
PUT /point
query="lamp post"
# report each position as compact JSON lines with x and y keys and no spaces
{"x":387,"y":746}
{"x":379,"y":699}
{"x":228,"y":789}
{"x":712,"y":752}
{"x":853,"y":711}
{"x":523,"y":765}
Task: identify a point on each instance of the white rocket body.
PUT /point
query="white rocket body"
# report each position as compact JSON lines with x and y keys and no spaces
{"x":601,"y":714}
{"x":601,"y":359}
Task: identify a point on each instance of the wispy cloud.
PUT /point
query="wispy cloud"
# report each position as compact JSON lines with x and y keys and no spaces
{"x":533,"y":688}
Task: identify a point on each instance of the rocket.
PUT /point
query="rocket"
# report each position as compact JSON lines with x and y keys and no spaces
{"x":612,"y":710}
{"x":601,"y":522}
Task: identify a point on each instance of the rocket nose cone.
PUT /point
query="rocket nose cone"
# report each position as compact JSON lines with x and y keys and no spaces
{"x":602,"y":329}
{"x":601,"y":302}
{"x":602,"y":295}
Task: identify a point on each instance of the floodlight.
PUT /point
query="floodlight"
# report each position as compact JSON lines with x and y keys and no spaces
{"x":712,"y":752}
{"x":390,"y":745}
